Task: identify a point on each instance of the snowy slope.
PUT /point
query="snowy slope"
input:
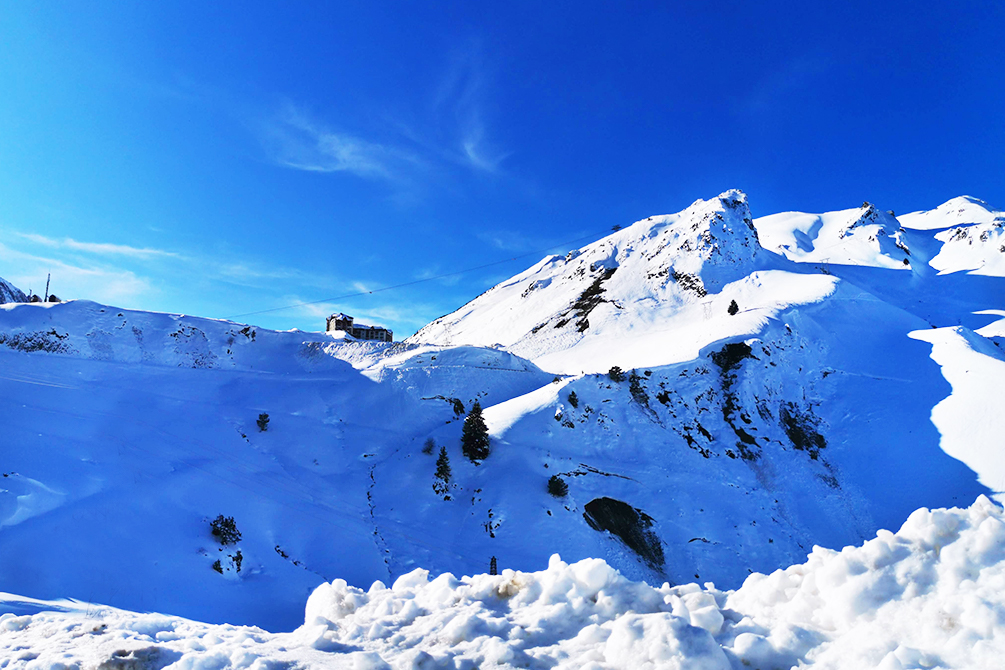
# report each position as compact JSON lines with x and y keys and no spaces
{"x":769,"y":404}
{"x":865,"y":237}
{"x":128,"y":432}
{"x":963,"y":234}
{"x":971,"y":427}
{"x":131,"y":431}
{"x":650,"y":294}
{"x":742,"y":464}
{"x":928,"y":596}
{"x":971,"y":233}
{"x":963,"y":210}
{"x":797,"y":438}
{"x":10,"y":293}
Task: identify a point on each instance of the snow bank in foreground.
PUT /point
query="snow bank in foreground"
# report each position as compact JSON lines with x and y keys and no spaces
{"x":931,"y":595}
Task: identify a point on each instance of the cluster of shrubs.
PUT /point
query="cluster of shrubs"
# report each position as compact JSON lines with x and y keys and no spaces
{"x":224,"y":529}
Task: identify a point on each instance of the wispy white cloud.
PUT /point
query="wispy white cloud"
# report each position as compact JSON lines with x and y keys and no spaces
{"x":296,"y":140}
{"x":362,"y":287}
{"x":428,"y":141}
{"x":479,"y":155}
{"x":71,"y":280}
{"x":507,"y":240}
{"x":462,"y":96}
{"x":434,"y":272}
{"x":98,"y":248}
{"x":251,"y":273}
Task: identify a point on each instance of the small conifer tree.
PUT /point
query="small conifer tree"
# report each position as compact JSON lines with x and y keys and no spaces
{"x":616,"y":374}
{"x":442,"y":477}
{"x":733,"y":308}
{"x":573,"y":399}
{"x":475,"y":435}
{"x":263,"y":421}
{"x":557,"y":487}
{"x":636,"y":388}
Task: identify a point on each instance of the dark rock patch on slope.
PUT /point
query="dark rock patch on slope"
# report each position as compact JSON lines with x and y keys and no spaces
{"x":728,"y":359}
{"x":631,"y":525}
{"x":801,"y":427}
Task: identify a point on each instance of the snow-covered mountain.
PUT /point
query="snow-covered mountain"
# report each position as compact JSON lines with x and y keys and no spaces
{"x":972,"y":236}
{"x":10,"y":293}
{"x":772,"y":399}
{"x":627,"y":292}
{"x":865,"y":236}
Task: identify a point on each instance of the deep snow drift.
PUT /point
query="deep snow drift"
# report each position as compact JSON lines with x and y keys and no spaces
{"x":770,"y":401}
{"x":931,"y":595}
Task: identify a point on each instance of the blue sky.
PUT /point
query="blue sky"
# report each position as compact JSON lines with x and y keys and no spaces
{"x":219,"y":161}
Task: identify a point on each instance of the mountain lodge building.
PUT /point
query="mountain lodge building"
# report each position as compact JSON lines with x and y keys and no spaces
{"x":344,"y":323}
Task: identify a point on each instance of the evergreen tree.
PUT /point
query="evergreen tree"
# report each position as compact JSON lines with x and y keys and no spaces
{"x":557,"y":487}
{"x":637,"y":390}
{"x":442,"y":477}
{"x":475,"y":435}
{"x":573,"y":399}
{"x":733,"y":308}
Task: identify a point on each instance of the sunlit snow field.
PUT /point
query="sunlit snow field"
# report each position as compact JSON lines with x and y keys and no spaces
{"x":792,"y":382}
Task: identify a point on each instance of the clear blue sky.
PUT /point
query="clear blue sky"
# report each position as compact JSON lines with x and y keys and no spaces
{"x":216,"y":161}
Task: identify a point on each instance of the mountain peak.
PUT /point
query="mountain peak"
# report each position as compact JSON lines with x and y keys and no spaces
{"x":866,"y":235}
{"x":10,"y":293}
{"x":959,"y":211}
{"x":642,"y":274}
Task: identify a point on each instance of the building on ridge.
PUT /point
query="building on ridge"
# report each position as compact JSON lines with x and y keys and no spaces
{"x":344,"y":323}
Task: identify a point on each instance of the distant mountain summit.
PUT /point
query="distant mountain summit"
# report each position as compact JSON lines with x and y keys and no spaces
{"x":963,"y":210}
{"x":865,"y":236}
{"x":634,"y":280}
{"x":971,"y":233}
{"x":654,"y":292}
{"x":10,"y":293}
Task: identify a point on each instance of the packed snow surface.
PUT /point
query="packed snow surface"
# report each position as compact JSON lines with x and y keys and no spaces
{"x":929,"y":596}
